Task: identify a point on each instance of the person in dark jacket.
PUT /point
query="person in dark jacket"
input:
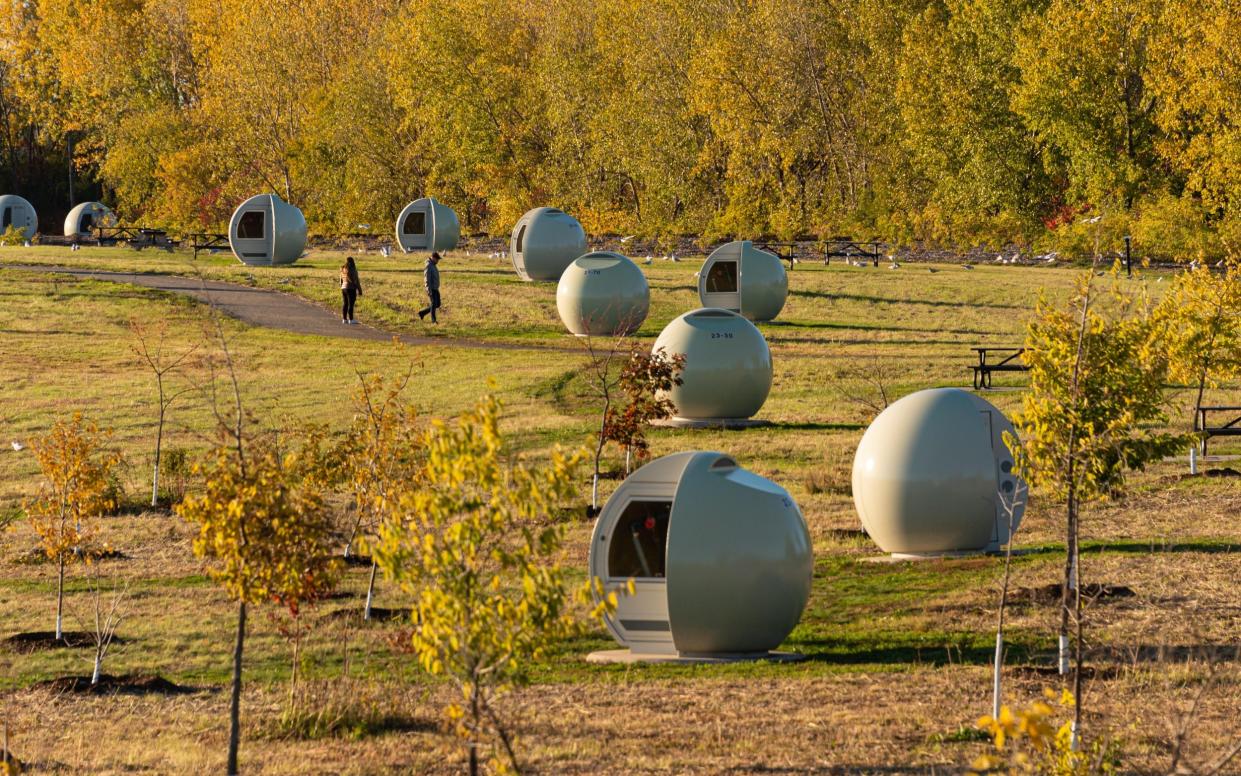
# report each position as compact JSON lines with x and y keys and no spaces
{"x":431,"y":278}
{"x":350,"y":290}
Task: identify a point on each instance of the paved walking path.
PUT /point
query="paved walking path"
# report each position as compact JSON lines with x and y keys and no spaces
{"x":268,"y":308}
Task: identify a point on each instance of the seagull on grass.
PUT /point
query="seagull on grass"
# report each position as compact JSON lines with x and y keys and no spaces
{"x":18,"y":447}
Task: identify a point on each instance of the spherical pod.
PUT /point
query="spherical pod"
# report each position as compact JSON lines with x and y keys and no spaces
{"x":727,"y":372}
{"x":720,"y":558}
{"x":603,"y":294}
{"x":18,"y":213}
{"x":932,"y":473}
{"x":544,"y":242}
{"x":86,"y":216}
{"x":427,"y":224}
{"x":266,"y":231}
{"x":739,"y":277}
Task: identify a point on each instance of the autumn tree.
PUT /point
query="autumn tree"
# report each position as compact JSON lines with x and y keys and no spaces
{"x":644,"y":381}
{"x":478,"y":548}
{"x":150,"y":349}
{"x":383,"y":459}
{"x":1201,"y":316}
{"x":264,"y":529}
{"x":1091,"y":415}
{"x":77,"y":489}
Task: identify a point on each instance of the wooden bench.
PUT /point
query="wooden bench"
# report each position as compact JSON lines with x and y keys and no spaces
{"x":1231,"y":428}
{"x":1008,"y":363}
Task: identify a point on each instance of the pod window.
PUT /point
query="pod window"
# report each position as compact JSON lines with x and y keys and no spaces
{"x":8,"y":218}
{"x":639,"y":546}
{"x":86,"y":223}
{"x":415,"y":223}
{"x":722,"y":278}
{"x":521,"y":238}
{"x":250,"y":225}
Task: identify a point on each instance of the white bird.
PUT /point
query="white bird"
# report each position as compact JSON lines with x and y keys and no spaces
{"x":1219,"y":263}
{"x":18,"y":447}
{"x":75,"y":247}
{"x":696,"y":274}
{"x":999,"y":259}
{"x":648,"y":260}
{"x":894,"y":265}
{"x":967,"y":266}
{"x":627,"y":239}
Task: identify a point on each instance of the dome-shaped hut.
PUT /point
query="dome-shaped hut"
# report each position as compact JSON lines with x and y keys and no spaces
{"x":17,"y":212}
{"x":739,"y":277}
{"x":427,"y":224}
{"x":266,"y":231}
{"x":727,"y":373}
{"x":603,"y":294}
{"x":720,"y":558}
{"x":86,"y":216}
{"x":546,"y":241}
{"x":932,"y":473}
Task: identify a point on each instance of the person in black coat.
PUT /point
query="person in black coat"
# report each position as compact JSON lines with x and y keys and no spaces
{"x":431,"y":278}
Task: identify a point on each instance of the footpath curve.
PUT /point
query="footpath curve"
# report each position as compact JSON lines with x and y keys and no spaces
{"x":267,"y":308}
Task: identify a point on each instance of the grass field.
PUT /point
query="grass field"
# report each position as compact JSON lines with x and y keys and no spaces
{"x":899,"y":653}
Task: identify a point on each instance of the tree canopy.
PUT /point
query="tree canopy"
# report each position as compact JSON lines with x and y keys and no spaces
{"x":956,"y":121}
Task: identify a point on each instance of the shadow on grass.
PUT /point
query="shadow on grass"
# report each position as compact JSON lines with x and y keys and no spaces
{"x":890,"y":300}
{"x":1209,"y":547}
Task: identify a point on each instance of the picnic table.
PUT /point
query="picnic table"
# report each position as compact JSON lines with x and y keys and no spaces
{"x":1231,"y":428}
{"x":206,"y":241}
{"x":1009,"y":362}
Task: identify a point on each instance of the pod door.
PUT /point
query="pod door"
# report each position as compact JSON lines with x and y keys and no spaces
{"x":519,"y":250}
{"x":415,"y":229}
{"x":636,"y":547}
{"x":252,"y":234}
{"x":1007,"y":484}
{"x":721,"y":287}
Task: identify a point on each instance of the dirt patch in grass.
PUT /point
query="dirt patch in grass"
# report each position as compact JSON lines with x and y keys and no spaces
{"x":357,"y":561}
{"x":1052,"y":594}
{"x":378,"y":614}
{"x":1105,"y":673}
{"x":142,"y":684}
{"x":37,"y":641}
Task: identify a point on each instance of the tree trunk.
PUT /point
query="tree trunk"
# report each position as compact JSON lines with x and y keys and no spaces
{"x":159,"y":441}
{"x":1075,"y":740}
{"x":94,"y":677}
{"x":60,"y":599}
{"x":234,"y":711}
{"x":370,"y":590}
{"x":1070,"y":584}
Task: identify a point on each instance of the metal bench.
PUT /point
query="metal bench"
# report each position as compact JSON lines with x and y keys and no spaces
{"x":1231,"y":428}
{"x":206,"y":241}
{"x":1009,"y":363}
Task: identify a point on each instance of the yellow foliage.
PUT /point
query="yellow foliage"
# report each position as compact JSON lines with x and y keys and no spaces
{"x":1032,"y":741}
{"x":477,"y":545}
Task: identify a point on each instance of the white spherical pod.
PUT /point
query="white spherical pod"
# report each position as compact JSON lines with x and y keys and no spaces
{"x":929,"y":474}
{"x":739,"y":277}
{"x":17,"y":212}
{"x":727,"y":373}
{"x":265,"y":231}
{"x":544,"y":242}
{"x":427,"y":224}
{"x":721,"y":558}
{"x":603,"y":294}
{"x":86,"y":216}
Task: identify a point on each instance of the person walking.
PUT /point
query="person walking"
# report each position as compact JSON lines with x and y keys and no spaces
{"x":350,"y":290}
{"x":431,"y":278}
